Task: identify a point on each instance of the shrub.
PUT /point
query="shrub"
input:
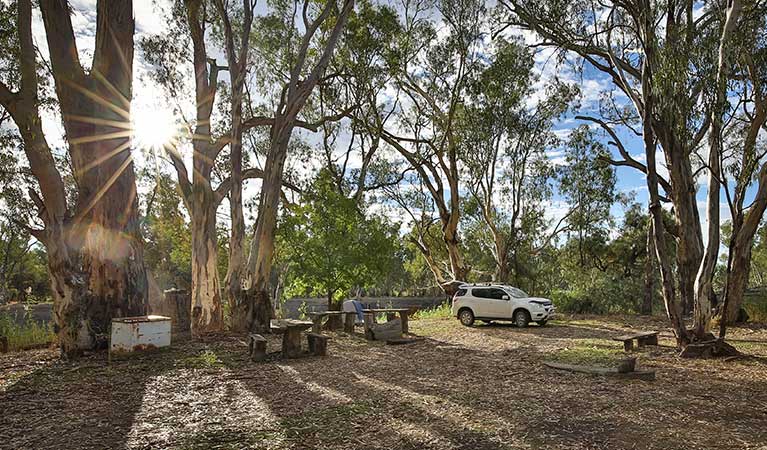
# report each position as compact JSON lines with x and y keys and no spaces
{"x":21,"y":337}
{"x":438,"y":312}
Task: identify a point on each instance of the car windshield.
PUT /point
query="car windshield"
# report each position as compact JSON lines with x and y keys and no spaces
{"x":518,"y":293}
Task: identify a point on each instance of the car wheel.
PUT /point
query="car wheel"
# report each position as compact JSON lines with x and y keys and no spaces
{"x":466,"y":317}
{"x":521,"y":319}
{"x":542,"y":322}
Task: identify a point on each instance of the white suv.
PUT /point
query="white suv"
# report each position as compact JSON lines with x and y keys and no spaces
{"x":488,"y":302}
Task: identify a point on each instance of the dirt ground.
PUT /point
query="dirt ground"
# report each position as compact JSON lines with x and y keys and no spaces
{"x":458,"y":388}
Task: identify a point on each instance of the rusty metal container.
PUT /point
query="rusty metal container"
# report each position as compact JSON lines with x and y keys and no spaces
{"x":132,"y":334}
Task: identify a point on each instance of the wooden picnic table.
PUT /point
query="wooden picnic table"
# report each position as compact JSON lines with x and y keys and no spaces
{"x":370,"y":318}
{"x":291,"y":335}
{"x":317,"y":317}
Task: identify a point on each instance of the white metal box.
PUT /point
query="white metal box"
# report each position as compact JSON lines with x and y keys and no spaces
{"x":131,"y":334}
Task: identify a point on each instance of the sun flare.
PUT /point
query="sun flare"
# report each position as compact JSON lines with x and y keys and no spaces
{"x":154,"y":127}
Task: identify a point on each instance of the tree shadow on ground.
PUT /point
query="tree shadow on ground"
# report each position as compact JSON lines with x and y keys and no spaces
{"x":90,"y":402}
{"x":433,"y":393}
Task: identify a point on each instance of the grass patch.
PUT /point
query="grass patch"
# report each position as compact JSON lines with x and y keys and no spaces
{"x":590,"y":352}
{"x":438,"y":312}
{"x":29,"y":335}
{"x":205,"y":360}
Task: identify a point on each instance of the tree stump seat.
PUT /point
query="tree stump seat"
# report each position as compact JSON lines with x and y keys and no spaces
{"x":643,"y":338}
{"x":257,"y":347}
{"x":318,"y":344}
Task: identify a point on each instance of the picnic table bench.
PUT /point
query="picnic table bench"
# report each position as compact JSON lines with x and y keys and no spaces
{"x":331,"y":323}
{"x":291,"y":335}
{"x":642,"y":337}
{"x":370,"y":319}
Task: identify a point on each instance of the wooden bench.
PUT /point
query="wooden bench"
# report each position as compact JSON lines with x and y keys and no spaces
{"x":643,"y":338}
{"x":318,"y":344}
{"x":370,"y":319}
{"x":257,"y":347}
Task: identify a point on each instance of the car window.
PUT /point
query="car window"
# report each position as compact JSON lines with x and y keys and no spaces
{"x":481,"y":292}
{"x":498,"y":293}
{"x":491,"y":293}
{"x":518,"y":293}
{"x":460,"y":292}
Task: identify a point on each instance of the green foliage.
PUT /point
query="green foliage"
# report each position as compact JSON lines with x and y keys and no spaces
{"x":329,"y":247}
{"x":608,"y":277}
{"x":438,"y":312}
{"x":31,"y":334}
{"x":167,"y":237}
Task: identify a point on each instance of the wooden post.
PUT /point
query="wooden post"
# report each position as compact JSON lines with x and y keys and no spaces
{"x":403,"y":316}
{"x":257,"y":347}
{"x":317,"y":323}
{"x":334,"y":321}
{"x":370,"y":320}
{"x":291,"y":342}
{"x":3,"y":344}
{"x":349,"y":322}
{"x":178,"y":306}
{"x":628,"y":344}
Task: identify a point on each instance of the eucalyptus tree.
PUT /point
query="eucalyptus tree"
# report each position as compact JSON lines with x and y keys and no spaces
{"x":352,"y":150}
{"x":741,"y":138}
{"x":93,"y":242}
{"x":297,"y":40}
{"x":432,"y":75}
{"x":587,"y":183}
{"x":193,"y":20}
{"x":663,"y":72}
{"x":505,"y":137}
{"x":237,"y":65}
{"x":190,"y":20}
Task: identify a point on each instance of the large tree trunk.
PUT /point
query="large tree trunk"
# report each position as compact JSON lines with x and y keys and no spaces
{"x":256,"y":305}
{"x":450,"y":234}
{"x":689,"y":238}
{"x":704,"y":294}
{"x":237,"y":70}
{"x":207,"y":315}
{"x":744,"y":227}
{"x":103,"y":274}
{"x":673,"y":307}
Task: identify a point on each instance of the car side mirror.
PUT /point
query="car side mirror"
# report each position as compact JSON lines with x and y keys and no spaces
{"x":505,"y":297}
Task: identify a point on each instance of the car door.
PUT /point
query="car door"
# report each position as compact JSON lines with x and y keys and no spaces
{"x":494,"y":302}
